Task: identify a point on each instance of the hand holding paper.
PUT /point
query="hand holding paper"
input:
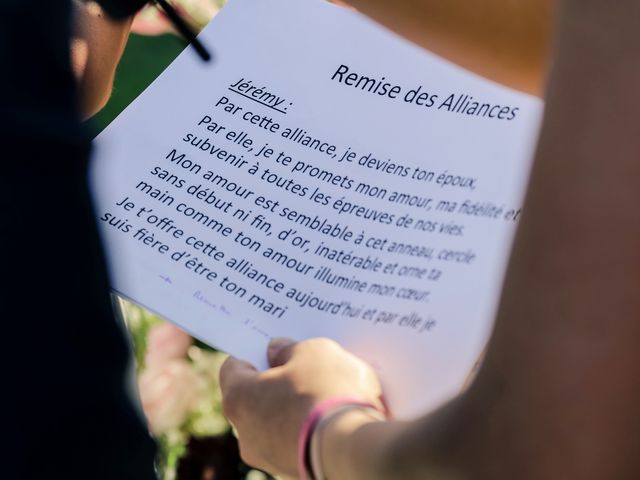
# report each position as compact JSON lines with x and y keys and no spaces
{"x":253,"y":401}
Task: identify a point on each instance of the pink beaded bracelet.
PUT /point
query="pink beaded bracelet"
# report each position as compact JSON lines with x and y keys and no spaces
{"x":309,"y":426}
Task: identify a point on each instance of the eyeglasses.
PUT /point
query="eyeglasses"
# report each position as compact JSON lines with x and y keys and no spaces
{"x":184,"y":29}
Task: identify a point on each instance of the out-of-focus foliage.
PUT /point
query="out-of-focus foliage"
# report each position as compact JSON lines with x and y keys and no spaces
{"x":151,"y":48}
{"x":143,"y":60}
{"x":180,"y":396}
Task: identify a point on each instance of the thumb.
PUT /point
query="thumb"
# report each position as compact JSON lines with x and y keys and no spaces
{"x":279,"y":351}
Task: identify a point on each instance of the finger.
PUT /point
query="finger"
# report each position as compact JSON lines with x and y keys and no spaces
{"x":279,"y":351}
{"x":247,"y":456}
{"x":235,"y":371}
{"x":236,"y":378}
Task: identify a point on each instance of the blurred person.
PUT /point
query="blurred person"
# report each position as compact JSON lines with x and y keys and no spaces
{"x":68,"y":391}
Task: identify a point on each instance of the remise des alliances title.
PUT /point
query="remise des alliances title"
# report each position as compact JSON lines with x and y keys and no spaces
{"x":456,"y":102}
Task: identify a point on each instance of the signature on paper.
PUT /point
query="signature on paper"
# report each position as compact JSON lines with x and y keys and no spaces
{"x":199,"y":296}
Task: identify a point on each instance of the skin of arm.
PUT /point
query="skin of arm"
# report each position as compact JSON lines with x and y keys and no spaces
{"x":507,"y":41}
{"x":558,"y":393}
{"x":96,"y":47}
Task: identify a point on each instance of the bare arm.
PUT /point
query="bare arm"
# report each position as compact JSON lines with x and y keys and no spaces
{"x":505,"y":40}
{"x":558,"y":394}
{"x":96,"y":48}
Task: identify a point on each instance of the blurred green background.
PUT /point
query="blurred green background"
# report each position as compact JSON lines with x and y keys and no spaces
{"x":145,"y":57}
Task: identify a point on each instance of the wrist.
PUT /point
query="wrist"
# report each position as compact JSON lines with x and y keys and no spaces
{"x":353,"y":444}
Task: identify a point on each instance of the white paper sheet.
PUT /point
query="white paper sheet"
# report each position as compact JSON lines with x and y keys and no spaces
{"x":387,"y":229}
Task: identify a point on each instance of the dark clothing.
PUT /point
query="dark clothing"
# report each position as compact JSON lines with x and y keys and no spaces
{"x":66,"y":357}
